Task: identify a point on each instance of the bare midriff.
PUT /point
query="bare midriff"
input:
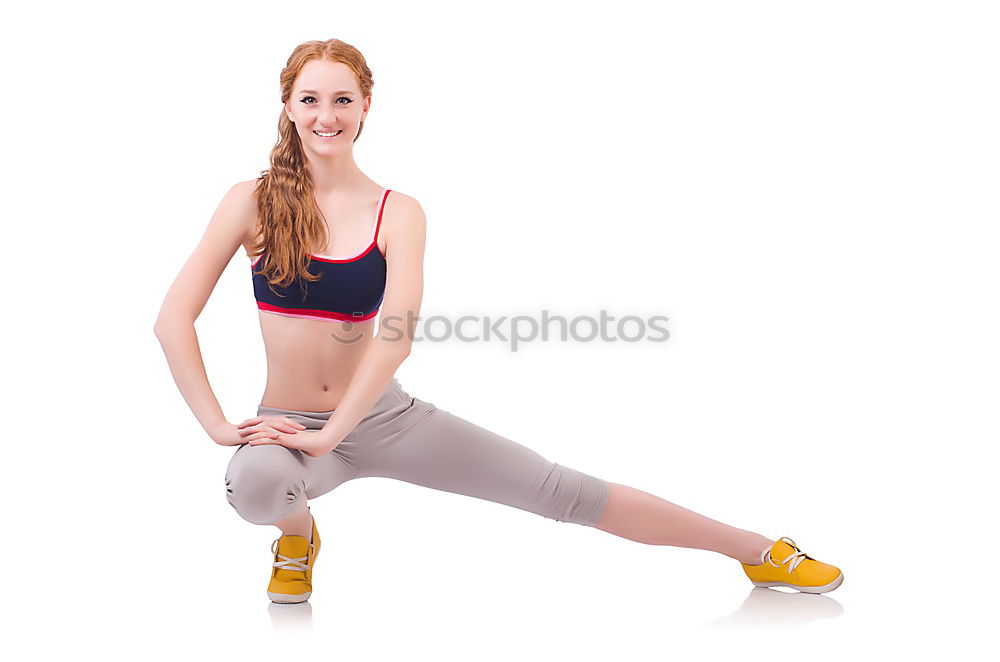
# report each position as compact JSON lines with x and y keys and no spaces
{"x":310,"y":363}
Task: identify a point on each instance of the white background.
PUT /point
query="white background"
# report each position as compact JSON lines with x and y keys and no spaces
{"x":807,"y":190}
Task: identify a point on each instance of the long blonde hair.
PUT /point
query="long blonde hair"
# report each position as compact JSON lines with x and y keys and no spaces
{"x":289,"y":223}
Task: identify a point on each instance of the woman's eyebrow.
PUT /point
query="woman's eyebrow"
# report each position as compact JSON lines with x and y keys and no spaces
{"x":315,"y":92}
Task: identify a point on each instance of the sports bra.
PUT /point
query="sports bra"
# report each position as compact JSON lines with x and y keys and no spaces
{"x":348,"y":288}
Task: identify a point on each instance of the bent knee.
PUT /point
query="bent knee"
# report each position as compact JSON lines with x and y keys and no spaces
{"x":263,"y":484}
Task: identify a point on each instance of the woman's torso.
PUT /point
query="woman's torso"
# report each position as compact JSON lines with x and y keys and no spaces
{"x":310,"y":362}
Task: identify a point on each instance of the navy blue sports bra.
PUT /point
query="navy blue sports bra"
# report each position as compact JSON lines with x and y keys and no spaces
{"x":348,"y":289}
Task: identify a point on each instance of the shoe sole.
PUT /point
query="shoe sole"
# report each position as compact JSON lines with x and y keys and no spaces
{"x":287,"y":598}
{"x":805,"y":589}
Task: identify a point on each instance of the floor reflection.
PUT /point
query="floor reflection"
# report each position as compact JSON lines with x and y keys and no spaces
{"x":769,"y":608}
{"x":291,"y":618}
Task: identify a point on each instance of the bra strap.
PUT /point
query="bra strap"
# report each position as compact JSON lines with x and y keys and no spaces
{"x":378,"y":217}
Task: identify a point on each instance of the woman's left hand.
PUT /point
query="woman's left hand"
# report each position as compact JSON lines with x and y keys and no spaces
{"x":314,"y":443}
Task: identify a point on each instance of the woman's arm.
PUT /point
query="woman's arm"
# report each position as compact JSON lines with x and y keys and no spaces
{"x":231,"y":225}
{"x":407,"y":230}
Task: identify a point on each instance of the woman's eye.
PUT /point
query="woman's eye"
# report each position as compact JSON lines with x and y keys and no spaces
{"x":348,"y":99}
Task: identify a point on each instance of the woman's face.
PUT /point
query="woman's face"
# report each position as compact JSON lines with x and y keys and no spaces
{"x":326,"y":99}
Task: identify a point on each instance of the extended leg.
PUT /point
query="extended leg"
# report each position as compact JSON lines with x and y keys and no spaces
{"x":647,"y":518}
{"x":445,"y":452}
{"x":431,"y":447}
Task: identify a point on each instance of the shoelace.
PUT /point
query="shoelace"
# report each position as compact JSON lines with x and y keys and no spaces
{"x":793,"y":559}
{"x":287,"y":562}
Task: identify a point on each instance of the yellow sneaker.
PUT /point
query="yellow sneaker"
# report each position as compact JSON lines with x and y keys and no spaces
{"x":784,"y":564}
{"x":291,"y":573}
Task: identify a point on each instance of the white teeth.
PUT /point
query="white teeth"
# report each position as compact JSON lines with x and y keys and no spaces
{"x":326,"y":135}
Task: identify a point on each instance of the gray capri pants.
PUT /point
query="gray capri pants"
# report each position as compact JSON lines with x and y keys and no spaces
{"x":408,"y":439}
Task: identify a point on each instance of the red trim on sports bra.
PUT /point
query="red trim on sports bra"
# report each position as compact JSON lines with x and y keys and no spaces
{"x":378,"y":223}
{"x":347,"y":259}
{"x":321,"y":314}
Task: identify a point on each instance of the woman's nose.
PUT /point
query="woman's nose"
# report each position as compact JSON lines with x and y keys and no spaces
{"x":328,"y":116}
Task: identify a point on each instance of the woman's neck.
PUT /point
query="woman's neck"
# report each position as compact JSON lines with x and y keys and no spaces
{"x":335,"y":175}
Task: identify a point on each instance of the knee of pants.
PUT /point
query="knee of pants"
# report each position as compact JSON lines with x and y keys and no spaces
{"x":262,"y":483}
{"x":568,"y":495}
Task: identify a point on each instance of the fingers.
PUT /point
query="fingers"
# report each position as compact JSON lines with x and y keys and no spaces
{"x":261,"y":436}
{"x":272,"y":426}
{"x":291,"y":422}
{"x":282,"y":423}
{"x":260,"y":430}
{"x":278,"y":439}
{"x":290,"y":427}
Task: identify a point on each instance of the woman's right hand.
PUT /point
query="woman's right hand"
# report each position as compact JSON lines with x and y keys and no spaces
{"x":266,"y":427}
{"x":225,"y":434}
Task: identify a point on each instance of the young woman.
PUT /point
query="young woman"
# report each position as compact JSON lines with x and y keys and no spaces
{"x":329,"y":249}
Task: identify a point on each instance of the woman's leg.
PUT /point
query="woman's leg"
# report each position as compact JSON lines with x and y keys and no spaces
{"x":297,"y":524}
{"x":646,"y":518}
{"x":434,"y":448}
{"x":270,"y":484}
{"x":431,"y":447}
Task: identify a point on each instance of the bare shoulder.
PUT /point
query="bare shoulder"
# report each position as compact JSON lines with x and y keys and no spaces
{"x":403,"y":211}
{"x":244,"y":195}
{"x":242,"y":203}
{"x":246,"y":189}
{"x":406,"y":230}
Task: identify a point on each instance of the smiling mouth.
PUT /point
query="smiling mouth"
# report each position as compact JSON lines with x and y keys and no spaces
{"x":328,"y":134}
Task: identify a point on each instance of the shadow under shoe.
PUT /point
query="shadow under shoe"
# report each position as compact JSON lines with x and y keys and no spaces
{"x":291,"y":572}
{"x":786,"y":565}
